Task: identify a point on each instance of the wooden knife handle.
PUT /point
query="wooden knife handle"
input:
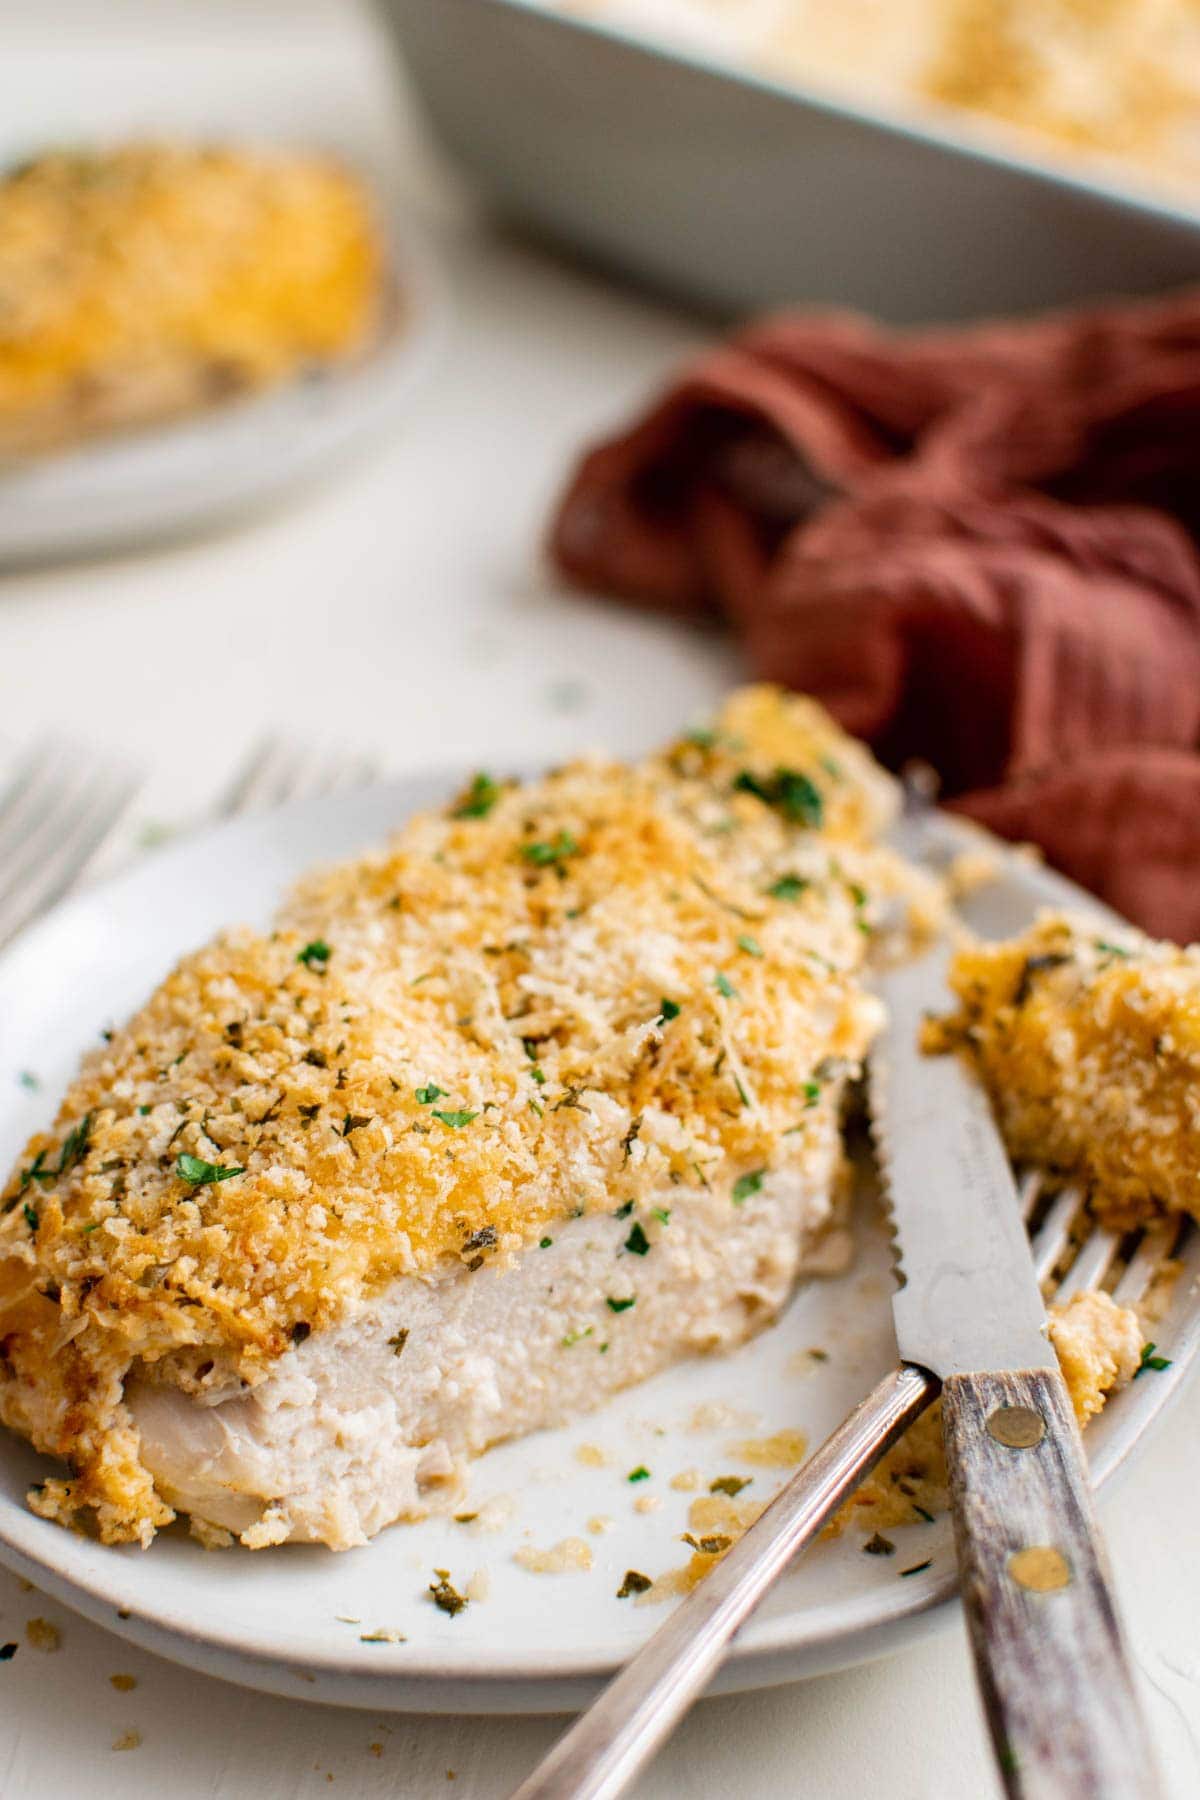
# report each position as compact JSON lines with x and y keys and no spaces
{"x":1049,"y":1651}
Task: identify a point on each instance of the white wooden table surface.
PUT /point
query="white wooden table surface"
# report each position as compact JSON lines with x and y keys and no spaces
{"x":401,"y":608}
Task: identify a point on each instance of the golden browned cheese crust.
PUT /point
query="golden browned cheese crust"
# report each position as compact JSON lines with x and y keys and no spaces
{"x":544,"y":1000}
{"x":1089,"y":1041}
{"x":147,"y":280}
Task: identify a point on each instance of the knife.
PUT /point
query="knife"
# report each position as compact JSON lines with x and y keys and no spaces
{"x":1047,"y":1641}
{"x":970,"y":1324}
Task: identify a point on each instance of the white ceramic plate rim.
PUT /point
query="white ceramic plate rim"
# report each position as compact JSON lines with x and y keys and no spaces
{"x":813,"y":1638}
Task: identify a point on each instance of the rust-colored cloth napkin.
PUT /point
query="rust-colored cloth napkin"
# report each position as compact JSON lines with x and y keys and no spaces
{"x":980,"y":547}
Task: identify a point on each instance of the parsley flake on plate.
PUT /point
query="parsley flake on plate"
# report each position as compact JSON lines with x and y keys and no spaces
{"x":637,"y":1241}
{"x":479,"y":798}
{"x":198,"y":1173}
{"x":788,"y":887}
{"x":544,"y":854}
{"x":747,"y":1184}
{"x":315,"y":955}
{"x":455,"y":1120}
{"x":428,"y":1094}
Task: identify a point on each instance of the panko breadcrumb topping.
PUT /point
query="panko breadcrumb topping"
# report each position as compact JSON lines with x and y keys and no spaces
{"x":541,"y":1001}
{"x":1089,"y":1041}
{"x":146,"y":280}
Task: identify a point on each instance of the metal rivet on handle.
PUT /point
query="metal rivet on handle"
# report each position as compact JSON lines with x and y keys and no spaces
{"x":1016,"y":1427}
{"x":1041,"y":1568}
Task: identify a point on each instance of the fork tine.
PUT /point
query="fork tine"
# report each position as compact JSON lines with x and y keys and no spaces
{"x":255,"y":782}
{"x":1053,"y":1235}
{"x":1155,"y":1248}
{"x":278,"y":770}
{"x":31,"y":790}
{"x":1091,"y":1265}
{"x":1030,"y":1188}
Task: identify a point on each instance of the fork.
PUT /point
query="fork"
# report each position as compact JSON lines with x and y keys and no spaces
{"x":606,"y":1748}
{"x":58,"y":811}
{"x":61,"y":812}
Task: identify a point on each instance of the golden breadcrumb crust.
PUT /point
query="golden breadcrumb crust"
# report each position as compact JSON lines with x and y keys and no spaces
{"x":543,"y":1000}
{"x":146,"y":280}
{"x":1089,"y":1042}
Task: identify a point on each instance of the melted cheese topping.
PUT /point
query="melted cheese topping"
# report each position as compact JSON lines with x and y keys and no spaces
{"x":142,"y":280}
{"x":1089,"y":1041}
{"x":543,"y":1001}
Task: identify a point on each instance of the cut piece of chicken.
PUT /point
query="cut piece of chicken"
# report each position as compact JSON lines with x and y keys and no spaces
{"x":616,"y":991}
{"x":1088,"y":1038}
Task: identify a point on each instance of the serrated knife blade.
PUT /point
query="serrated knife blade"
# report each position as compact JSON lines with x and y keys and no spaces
{"x":969,"y":1298}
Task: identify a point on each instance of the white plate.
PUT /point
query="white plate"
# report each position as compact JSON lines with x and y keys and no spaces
{"x":167,"y":480}
{"x":292,"y":1620}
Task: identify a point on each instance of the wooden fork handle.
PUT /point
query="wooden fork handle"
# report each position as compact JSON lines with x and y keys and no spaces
{"x":1049,"y":1651}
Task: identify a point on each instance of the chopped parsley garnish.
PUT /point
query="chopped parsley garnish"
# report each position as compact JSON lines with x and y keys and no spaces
{"x":634,"y":1583}
{"x":790,"y":791}
{"x":577,"y":1337}
{"x":812,"y":1092}
{"x":668,"y":1009}
{"x":479,"y":799}
{"x":397,"y":1343}
{"x":724,"y":986}
{"x":637,"y":1241}
{"x":788,"y":887}
{"x":1108,"y":949}
{"x":545,"y":1243}
{"x":742,"y":1095}
{"x":623,"y":1212}
{"x":879,"y":1546}
{"x":354,"y":1122}
{"x":750,"y":945}
{"x":198,"y":1173}
{"x":315,"y":955}
{"x":7,"y":1652}
{"x":700,"y":738}
{"x":29,"y":1080}
{"x":630,"y":1138}
{"x":142,"y":1111}
{"x":916,"y":1568}
{"x":641,"y":1473}
{"x":446,"y":1597}
{"x":927,"y":1516}
{"x":544,"y":854}
{"x":747,"y":1184}
{"x":662,"y":1214}
{"x":455,"y":1120}
{"x":1149,"y":1360}
{"x":428,"y":1094}
{"x":620,"y":1305}
{"x":31,"y":1218}
{"x":75,"y":1144}
{"x":729,"y":1484}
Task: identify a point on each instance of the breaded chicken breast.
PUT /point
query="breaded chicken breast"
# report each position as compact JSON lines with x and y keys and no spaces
{"x":513,"y":1112}
{"x":146,"y":281}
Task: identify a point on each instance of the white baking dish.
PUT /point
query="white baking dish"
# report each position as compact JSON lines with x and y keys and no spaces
{"x":738,"y":192}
